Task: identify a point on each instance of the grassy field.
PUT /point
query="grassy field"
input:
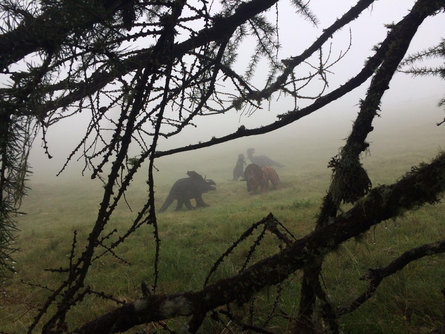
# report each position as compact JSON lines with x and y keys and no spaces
{"x":407,"y":302}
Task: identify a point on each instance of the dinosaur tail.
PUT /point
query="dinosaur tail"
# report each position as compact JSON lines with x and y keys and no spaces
{"x":277,"y":164}
{"x":169,"y":200}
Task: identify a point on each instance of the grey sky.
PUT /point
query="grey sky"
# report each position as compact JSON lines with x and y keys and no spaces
{"x":367,"y":31}
{"x":296,"y":34}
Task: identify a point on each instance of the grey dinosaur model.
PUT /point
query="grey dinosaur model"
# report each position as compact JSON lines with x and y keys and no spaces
{"x":262,"y":160}
{"x":183,"y":190}
{"x":238,"y":171}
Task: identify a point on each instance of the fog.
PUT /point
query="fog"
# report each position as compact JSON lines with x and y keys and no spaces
{"x":301,"y":147}
{"x":408,"y":112}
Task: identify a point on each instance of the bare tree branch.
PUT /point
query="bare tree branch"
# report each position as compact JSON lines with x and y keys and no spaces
{"x":346,"y":165}
{"x":34,"y":33}
{"x":423,"y":185}
{"x":376,"y":276}
{"x":162,"y":75}
{"x":407,"y":25}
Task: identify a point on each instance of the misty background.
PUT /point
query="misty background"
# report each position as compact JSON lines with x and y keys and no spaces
{"x":409,"y":110}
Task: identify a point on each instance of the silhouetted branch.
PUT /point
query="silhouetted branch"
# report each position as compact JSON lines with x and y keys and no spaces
{"x":220,"y":30}
{"x":161,"y":88}
{"x":34,"y":33}
{"x":243,"y":236}
{"x":346,"y":165}
{"x":395,"y":36}
{"x":327,"y":310}
{"x":292,"y":62}
{"x":272,"y":227}
{"x":375,"y":276}
{"x":422,"y":185}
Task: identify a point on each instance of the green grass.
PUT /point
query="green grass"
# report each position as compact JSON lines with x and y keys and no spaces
{"x":407,"y":302}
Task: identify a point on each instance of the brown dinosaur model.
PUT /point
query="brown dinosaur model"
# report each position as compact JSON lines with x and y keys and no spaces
{"x":255,"y":179}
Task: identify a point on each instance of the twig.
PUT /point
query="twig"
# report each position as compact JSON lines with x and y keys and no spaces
{"x":375,"y":276}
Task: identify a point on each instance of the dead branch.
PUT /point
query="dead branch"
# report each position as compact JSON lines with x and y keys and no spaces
{"x":220,"y":30}
{"x":375,"y":276}
{"x":346,"y":165}
{"x":32,"y":35}
{"x":422,"y":185}
{"x":406,"y":26}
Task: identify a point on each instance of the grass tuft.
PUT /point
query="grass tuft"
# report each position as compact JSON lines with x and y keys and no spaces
{"x":408,"y":302}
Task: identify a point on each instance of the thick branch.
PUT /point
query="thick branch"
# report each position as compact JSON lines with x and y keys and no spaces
{"x":219,"y":31}
{"x":36,"y":33}
{"x":422,"y":185}
{"x":350,"y":181}
{"x":423,"y":9}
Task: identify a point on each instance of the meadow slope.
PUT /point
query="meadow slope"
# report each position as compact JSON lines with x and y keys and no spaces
{"x":407,"y":302}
